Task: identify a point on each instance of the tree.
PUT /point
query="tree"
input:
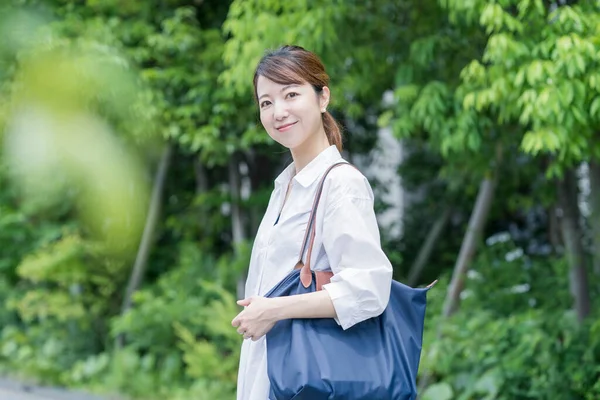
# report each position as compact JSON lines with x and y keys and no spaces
{"x":522,"y":86}
{"x":540,"y":72}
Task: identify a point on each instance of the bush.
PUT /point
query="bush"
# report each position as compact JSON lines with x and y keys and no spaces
{"x":514,"y":337}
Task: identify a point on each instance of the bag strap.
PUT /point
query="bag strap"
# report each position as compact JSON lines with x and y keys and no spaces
{"x":309,"y":236}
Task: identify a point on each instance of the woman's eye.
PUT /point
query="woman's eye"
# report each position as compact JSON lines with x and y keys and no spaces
{"x":265,"y":103}
{"x":292,"y":94}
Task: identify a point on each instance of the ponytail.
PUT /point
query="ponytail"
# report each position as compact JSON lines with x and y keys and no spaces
{"x":332,"y":130}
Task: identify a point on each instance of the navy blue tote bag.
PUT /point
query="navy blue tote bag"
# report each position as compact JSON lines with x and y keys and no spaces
{"x":315,"y":359}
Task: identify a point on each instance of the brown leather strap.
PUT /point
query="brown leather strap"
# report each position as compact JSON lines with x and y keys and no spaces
{"x":309,"y":236}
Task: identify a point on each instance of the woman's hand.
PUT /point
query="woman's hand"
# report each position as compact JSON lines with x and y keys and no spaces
{"x":256,"y":319}
{"x":261,"y":313}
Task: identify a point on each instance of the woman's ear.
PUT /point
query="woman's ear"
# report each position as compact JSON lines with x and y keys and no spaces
{"x":324,"y":99}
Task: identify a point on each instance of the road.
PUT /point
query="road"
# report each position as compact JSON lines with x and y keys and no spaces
{"x":11,"y":395}
{"x":13,"y":390}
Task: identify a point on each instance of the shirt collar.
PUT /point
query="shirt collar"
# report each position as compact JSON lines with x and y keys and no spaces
{"x":313,"y":170}
{"x":286,"y":175}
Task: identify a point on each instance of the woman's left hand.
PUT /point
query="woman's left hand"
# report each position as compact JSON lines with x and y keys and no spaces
{"x":256,"y":319}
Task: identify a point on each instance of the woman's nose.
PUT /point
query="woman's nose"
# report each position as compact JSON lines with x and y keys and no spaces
{"x":280,"y":111}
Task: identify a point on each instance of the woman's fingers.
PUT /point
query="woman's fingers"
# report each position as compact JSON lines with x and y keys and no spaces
{"x":245,"y":302}
{"x":245,"y":333}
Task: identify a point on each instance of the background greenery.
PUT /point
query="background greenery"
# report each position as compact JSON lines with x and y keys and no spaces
{"x":134,"y":174}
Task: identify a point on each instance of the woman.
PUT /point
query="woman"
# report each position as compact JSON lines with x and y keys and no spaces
{"x":291,"y":88}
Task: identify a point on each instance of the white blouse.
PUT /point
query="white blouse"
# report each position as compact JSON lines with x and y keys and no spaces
{"x":346,"y":242}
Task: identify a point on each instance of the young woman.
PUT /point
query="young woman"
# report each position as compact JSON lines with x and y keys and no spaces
{"x":291,"y":88}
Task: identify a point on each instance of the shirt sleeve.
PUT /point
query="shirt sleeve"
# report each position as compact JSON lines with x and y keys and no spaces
{"x":360,"y":286}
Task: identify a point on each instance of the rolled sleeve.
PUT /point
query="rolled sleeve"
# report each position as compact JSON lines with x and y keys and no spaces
{"x":360,"y":286}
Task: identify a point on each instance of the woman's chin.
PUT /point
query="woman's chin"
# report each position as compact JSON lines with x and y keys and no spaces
{"x":288,"y":144}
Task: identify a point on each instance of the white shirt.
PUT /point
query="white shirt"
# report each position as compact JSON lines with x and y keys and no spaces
{"x":346,"y":242}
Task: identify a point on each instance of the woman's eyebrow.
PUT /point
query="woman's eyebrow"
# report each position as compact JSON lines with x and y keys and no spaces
{"x":282,"y":89}
{"x":288,"y":86}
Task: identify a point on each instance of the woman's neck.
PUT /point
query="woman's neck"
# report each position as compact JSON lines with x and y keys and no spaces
{"x":309,"y":150}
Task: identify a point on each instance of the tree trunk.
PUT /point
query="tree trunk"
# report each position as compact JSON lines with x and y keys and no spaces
{"x":469,"y":244}
{"x":260,"y":168}
{"x":468,"y":248}
{"x":465,"y":256}
{"x":141,"y":260}
{"x":237,"y":223}
{"x":595,"y":217}
{"x":202,"y":187}
{"x":254,"y":174}
{"x":572,"y":237}
{"x":554,"y":229}
{"x":201,"y":178}
{"x":428,"y":246}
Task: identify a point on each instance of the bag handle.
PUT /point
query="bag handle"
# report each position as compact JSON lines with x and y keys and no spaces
{"x":321,"y":277}
{"x":305,"y":272}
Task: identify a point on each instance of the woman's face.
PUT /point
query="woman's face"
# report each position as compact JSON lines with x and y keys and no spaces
{"x":290,"y":114}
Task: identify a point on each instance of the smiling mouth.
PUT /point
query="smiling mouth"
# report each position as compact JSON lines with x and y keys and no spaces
{"x":285,"y":127}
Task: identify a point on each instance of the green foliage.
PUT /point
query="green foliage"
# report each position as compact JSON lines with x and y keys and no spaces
{"x":529,"y":79}
{"x":178,"y":332}
{"x":540,"y":72}
{"x":513,"y":337}
{"x":67,"y":289}
{"x":186,"y":295}
{"x":530,"y":355}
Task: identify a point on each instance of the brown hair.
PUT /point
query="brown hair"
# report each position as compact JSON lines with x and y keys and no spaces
{"x":294,"y":65}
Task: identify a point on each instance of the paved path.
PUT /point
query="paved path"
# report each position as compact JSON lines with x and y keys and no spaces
{"x":11,"y":395}
{"x":13,"y":390}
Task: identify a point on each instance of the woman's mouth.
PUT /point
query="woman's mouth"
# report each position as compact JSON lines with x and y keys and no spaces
{"x":285,"y":127}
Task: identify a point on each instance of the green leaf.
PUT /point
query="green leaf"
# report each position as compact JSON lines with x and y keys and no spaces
{"x":594,"y":108}
{"x":385,"y":119}
{"x":535,"y":72}
{"x":438,"y":391}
